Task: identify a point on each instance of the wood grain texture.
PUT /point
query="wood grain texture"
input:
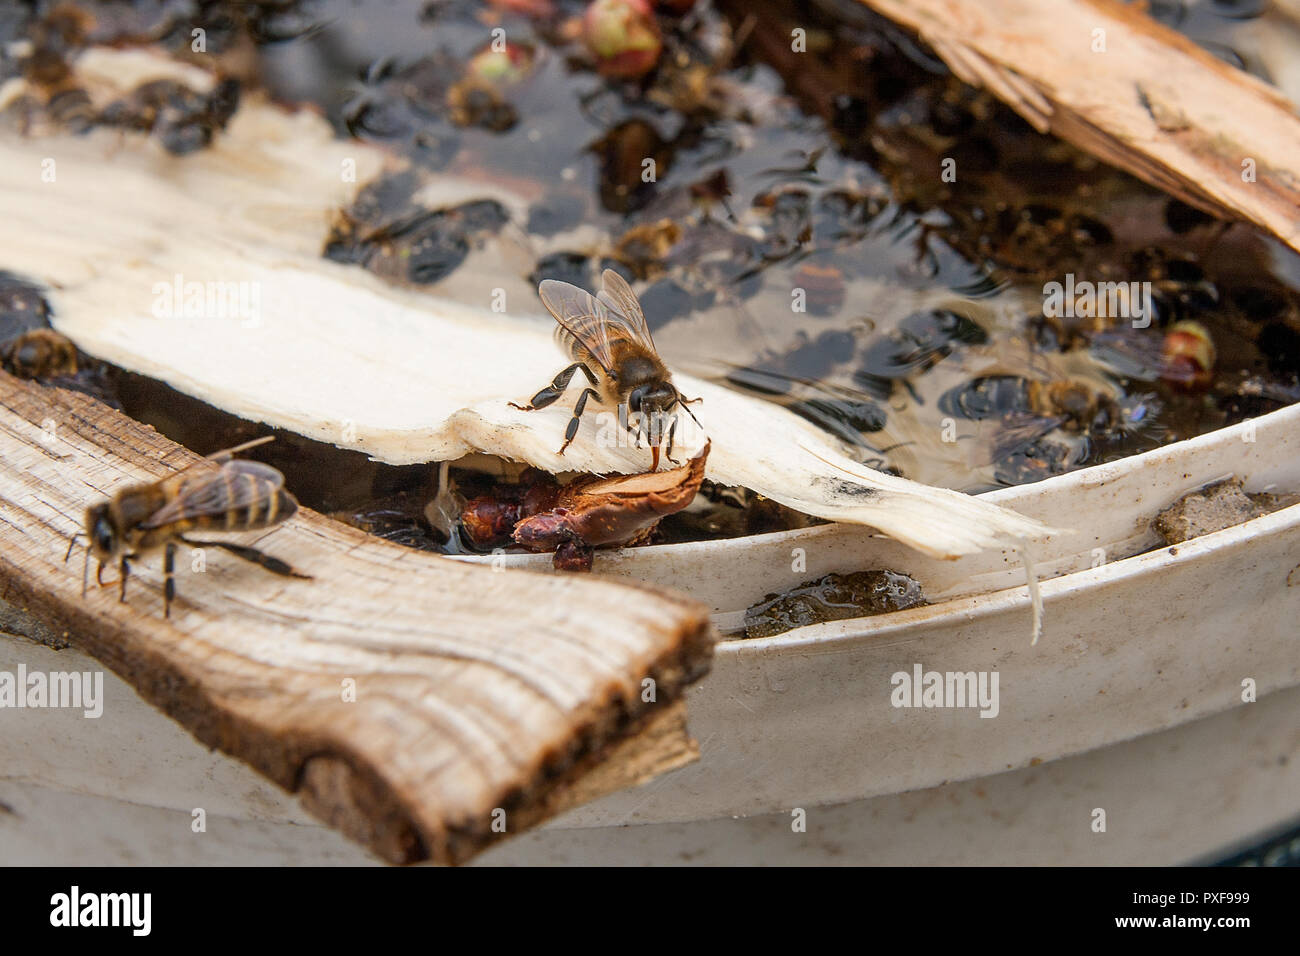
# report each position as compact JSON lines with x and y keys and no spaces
{"x":1152,"y":103}
{"x":476,"y":690}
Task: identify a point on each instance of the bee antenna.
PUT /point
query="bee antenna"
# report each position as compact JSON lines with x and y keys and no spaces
{"x":72,"y":543}
{"x":687,"y":406}
{"x":85,"y":573}
{"x":245,"y":446}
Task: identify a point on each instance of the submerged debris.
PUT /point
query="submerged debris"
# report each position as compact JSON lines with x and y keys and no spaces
{"x":55,"y":96}
{"x":182,"y":119}
{"x":1207,"y":510}
{"x":835,"y":597}
{"x":391,"y":235}
{"x":479,"y":98}
{"x":398,"y":519}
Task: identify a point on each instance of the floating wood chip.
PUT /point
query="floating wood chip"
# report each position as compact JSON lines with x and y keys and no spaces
{"x":423,"y":706}
{"x":1132,"y":92}
{"x":336,"y":354}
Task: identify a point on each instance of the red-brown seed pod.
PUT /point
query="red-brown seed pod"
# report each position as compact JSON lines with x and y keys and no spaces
{"x":532,"y":8}
{"x":539,"y":493}
{"x":573,"y":556}
{"x":487,"y":521}
{"x":505,"y":67}
{"x":1188,"y":355}
{"x":623,"y":36}
{"x":596,"y":512}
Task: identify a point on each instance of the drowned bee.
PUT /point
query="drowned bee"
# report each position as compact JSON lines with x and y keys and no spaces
{"x":609,"y":331}
{"x":219,"y":493}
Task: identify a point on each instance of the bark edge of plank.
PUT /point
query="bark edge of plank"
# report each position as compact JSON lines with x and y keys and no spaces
{"x":1154,"y":104}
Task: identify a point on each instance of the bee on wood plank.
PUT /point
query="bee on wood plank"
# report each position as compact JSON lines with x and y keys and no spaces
{"x":219,"y":493}
{"x":609,"y":341}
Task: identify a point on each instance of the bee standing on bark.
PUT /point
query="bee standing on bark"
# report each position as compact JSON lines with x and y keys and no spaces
{"x":220,"y":493}
{"x":610,"y":343}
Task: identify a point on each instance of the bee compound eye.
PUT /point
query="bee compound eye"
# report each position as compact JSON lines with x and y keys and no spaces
{"x":103,"y":537}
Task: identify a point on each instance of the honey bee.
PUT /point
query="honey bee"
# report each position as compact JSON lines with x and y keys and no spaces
{"x":40,"y":353}
{"x":609,"y":332}
{"x":220,"y":493}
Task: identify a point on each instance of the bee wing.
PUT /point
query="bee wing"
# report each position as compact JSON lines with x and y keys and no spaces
{"x":214,"y":491}
{"x":1128,"y":355}
{"x":1016,"y":433}
{"x":621,"y":300}
{"x":584,"y":322}
{"x":211,"y":463}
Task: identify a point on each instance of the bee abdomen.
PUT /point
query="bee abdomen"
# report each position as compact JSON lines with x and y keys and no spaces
{"x":282,"y":506}
{"x":267,"y":503}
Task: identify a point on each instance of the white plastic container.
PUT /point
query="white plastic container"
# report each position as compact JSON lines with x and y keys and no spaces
{"x":1145,"y":660}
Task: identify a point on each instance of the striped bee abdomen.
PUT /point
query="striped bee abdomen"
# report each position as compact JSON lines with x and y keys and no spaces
{"x":255,"y":501}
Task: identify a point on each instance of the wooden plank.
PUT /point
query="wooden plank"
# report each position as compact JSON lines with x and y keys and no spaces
{"x":481,"y":696}
{"x":1132,"y":92}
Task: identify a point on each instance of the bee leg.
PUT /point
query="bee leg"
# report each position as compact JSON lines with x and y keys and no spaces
{"x":268,"y":561}
{"x":124,"y":571}
{"x":672,"y":431}
{"x":169,"y":578}
{"x":634,"y":428}
{"x":553,"y":391}
{"x":572,"y":431}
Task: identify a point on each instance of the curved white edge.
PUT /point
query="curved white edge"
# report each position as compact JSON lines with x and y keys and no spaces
{"x":1131,"y":648}
{"x":1109,"y":506}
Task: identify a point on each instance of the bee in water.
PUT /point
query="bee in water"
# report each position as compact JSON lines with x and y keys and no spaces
{"x":609,"y":341}
{"x":220,"y":493}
